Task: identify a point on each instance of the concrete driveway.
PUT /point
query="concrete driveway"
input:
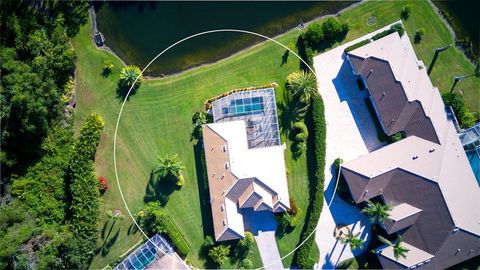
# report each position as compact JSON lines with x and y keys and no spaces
{"x":350,"y":133}
{"x":263,"y":225}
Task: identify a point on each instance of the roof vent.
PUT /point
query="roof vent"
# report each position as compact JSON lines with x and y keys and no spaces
{"x":223,"y":176}
{"x":222,"y":207}
{"x":431,"y":150}
{"x":224,"y":148}
{"x":226,"y":166}
{"x":455,"y":230}
{"x":415,"y":157}
{"x":224,"y":222}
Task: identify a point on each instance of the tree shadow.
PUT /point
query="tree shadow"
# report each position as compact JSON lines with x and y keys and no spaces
{"x":159,"y":189}
{"x":133,"y":229}
{"x":285,"y":57}
{"x":203,"y":192}
{"x":287,"y":115}
{"x":107,"y":245}
{"x":104,"y":229}
{"x":122,"y":92}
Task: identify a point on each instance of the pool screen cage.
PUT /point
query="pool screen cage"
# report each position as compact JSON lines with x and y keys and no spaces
{"x":259,"y":111}
{"x":152,"y":250}
{"x":470,"y":138}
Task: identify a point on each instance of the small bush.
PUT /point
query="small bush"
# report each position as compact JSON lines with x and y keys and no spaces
{"x":332,"y":28}
{"x":245,"y":264}
{"x":394,"y":28}
{"x":465,"y":118}
{"x":405,"y":14}
{"x":395,"y":137}
{"x":247,"y":241}
{"x":102,"y":184}
{"x":299,"y":128}
{"x":337,"y":162}
{"x":314,"y":34}
{"x":208,"y":242}
{"x":180,"y":181}
{"x":419,"y":35}
{"x":128,"y":75}
{"x":219,"y":254}
{"x":293,"y":207}
{"x":357,"y":45}
{"x":108,"y":67}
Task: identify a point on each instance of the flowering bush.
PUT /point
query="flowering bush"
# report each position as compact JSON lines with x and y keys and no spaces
{"x":102,"y":184}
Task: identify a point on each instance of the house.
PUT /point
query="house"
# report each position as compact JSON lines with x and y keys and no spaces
{"x":425,"y":176}
{"x":245,"y":161}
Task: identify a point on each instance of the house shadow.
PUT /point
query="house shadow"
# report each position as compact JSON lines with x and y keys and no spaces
{"x":349,"y":91}
{"x":158,"y":189}
{"x":258,"y":221}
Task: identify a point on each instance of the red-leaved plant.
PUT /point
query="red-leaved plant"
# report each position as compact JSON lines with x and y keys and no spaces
{"x":102,"y":184}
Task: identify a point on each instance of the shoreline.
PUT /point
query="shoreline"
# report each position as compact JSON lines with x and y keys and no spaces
{"x":108,"y":49}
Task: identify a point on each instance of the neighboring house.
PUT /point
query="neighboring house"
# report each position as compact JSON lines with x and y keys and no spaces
{"x":245,"y":161}
{"x":426,"y":176}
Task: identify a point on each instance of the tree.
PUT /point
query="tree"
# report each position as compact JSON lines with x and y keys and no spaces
{"x":398,"y":249}
{"x":333,"y":28}
{"x":247,"y":241}
{"x":245,"y":264}
{"x":419,"y":35}
{"x":170,"y":168}
{"x":208,"y":242}
{"x":153,"y":219}
{"x":405,"y":14}
{"x":303,"y":85}
{"x":219,"y":254}
{"x":313,"y":35}
{"x":128,"y":75}
{"x":377,"y":211}
{"x":353,"y":240}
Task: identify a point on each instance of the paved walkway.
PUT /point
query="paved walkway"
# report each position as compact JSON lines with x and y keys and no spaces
{"x":350,"y":134}
{"x":263,"y":225}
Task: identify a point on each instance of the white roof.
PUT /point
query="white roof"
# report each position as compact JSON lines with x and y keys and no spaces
{"x":267,"y":164}
{"x":234,"y":218}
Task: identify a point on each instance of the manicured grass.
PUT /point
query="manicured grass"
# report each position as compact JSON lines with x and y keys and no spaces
{"x":157,"y":120}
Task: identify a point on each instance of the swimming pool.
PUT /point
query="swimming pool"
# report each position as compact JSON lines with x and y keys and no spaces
{"x":474,"y":160}
{"x":243,"y":106}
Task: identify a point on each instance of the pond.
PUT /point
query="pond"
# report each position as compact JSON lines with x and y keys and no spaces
{"x":138,"y":31}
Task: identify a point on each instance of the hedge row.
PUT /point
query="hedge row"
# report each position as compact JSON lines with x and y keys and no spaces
{"x":357,"y":45}
{"x":319,"y":136}
{"x":84,"y":206}
{"x":176,"y":237}
{"x":394,"y":28}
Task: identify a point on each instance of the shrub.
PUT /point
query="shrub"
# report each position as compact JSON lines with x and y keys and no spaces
{"x":300,"y":137}
{"x":245,"y":264}
{"x":406,"y":12}
{"x":247,"y":241}
{"x":219,"y":254}
{"x":318,"y":126}
{"x":296,"y":219}
{"x":208,"y":241}
{"x":300,"y":128}
{"x":395,"y":137}
{"x":465,"y":118}
{"x":357,"y":45}
{"x":102,"y":184}
{"x":314,"y":34}
{"x":332,"y":28}
{"x":336,"y":163}
{"x":419,"y":34}
{"x":394,"y":28}
{"x":180,"y":181}
{"x":108,"y":67}
{"x":176,"y":237}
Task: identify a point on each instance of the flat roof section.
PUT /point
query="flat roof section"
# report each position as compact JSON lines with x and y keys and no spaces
{"x":259,"y":111}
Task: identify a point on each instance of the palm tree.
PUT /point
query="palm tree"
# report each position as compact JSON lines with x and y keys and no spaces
{"x":353,"y":240}
{"x":398,"y":249}
{"x":377,"y":211}
{"x":303,"y":85}
{"x":129,"y":74}
{"x":170,"y":167}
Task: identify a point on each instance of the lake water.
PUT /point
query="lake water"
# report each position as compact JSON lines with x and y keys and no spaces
{"x":138,"y":31}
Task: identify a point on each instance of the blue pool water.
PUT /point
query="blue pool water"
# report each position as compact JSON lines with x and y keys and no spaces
{"x":475,"y":163}
{"x":245,"y":106}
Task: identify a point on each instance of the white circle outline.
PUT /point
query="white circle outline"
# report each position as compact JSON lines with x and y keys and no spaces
{"x":130,"y":90}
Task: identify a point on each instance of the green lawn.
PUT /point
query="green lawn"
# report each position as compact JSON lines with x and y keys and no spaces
{"x":157,"y":119}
